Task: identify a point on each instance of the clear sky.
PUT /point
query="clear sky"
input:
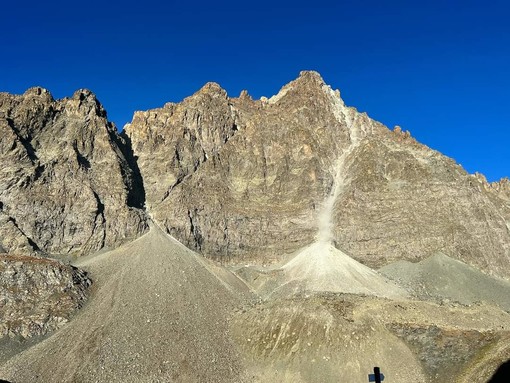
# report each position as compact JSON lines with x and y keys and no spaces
{"x":440,"y":69}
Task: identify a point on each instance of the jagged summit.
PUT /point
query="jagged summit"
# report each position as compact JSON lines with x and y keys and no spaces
{"x":83,"y":94}
{"x":244,"y":95}
{"x":66,"y":186}
{"x":309,"y":78}
{"x":39,"y":91}
{"x":212,"y":88}
{"x":308,"y":83}
{"x":85,"y":102}
{"x":312,"y":74}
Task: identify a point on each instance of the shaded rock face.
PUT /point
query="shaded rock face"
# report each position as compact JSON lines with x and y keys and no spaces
{"x":234,"y":177}
{"x":66,"y":184}
{"x":38,"y":295}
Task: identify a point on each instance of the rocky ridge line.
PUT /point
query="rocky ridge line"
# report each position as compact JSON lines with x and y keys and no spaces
{"x":239,"y":179}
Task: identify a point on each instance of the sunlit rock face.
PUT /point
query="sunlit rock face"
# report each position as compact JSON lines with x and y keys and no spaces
{"x":256,"y":179}
{"x":259,"y":191}
{"x":66,"y":184}
{"x":240,"y":179}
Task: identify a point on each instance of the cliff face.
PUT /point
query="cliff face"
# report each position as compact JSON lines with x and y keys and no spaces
{"x":406,"y":201}
{"x":65,"y":183}
{"x":258,"y":193}
{"x":262,"y":178}
{"x":240,"y":178}
{"x":247,"y":181}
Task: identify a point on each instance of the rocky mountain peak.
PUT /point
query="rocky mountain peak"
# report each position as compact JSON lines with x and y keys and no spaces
{"x":212,"y":89}
{"x":244,"y":95}
{"x":311,"y":76}
{"x":302,"y":167}
{"x":39,"y":92}
{"x":86,"y":103}
{"x":83,"y":94}
{"x":310,"y":92}
{"x":308,"y":84}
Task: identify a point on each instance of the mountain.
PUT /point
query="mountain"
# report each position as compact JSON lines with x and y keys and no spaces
{"x":251,"y":180}
{"x":219,"y":239}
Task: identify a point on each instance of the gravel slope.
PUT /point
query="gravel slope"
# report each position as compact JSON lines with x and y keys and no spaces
{"x":158,"y":313}
{"x":322,"y":267}
{"x":319,"y":267}
{"x":441,"y":277}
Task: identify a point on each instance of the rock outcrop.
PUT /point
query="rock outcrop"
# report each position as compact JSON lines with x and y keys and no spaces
{"x":240,"y":179}
{"x":67,"y":185}
{"x":38,"y":295}
{"x":252,"y":179}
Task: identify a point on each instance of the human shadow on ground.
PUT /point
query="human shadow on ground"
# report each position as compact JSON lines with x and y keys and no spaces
{"x":502,"y":374}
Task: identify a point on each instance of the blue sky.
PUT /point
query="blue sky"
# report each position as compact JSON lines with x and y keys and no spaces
{"x":437,"y":68}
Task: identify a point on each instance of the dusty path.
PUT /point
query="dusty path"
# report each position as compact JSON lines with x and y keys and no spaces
{"x":158,"y":313}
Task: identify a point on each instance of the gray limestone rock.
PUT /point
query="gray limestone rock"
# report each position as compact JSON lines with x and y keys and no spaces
{"x":66,"y":182}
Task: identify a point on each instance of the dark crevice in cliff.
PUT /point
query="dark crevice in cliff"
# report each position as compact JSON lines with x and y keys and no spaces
{"x":82,"y":160}
{"x":100,"y":205}
{"x":30,"y":241}
{"x":24,"y":141}
{"x":100,"y":213}
{"x":195,"y":231}
{"x":136,"y":189}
